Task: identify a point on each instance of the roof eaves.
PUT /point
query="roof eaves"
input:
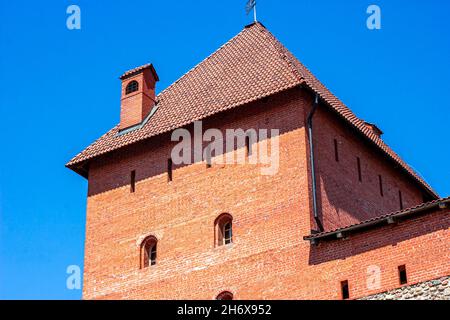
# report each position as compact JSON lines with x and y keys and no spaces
{"x":78,"y":159}
{"x":379,"y":221}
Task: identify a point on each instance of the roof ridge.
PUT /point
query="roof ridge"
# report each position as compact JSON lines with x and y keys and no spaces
{"x":283,"y":51}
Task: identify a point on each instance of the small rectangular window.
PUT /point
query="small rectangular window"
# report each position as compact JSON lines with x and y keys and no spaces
{"x":400,"y":199}
{"x":133,"y":181}
{"x":169,"y":170}
{"x":336,"y":150}
{"x":403,"y":277}
{"x":344,"y":290}
{"x":358,"y":160}
{"x":380,"y":179}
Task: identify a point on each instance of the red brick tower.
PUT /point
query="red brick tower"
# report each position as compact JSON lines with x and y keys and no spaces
{"x":343,"y":215}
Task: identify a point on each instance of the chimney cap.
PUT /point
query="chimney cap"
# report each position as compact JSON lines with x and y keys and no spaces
{"x":137,"y":70}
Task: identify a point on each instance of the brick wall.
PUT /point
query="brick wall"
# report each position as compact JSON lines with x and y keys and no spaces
{"x":269,"y":258}
{"x":421,"y":244}
{"x":344,"y":199}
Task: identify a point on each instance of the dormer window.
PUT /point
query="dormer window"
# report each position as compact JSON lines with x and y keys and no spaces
{"x":133,"y":86}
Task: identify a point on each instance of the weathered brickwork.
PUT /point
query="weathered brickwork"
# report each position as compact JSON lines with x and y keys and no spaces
{"x":431,"y":290}
{"x":268,"y":258}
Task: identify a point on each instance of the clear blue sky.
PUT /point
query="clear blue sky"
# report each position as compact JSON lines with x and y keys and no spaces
{"x":60,"y":91}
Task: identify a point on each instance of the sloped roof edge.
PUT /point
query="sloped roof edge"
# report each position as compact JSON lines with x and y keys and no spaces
{"x":442,"y":204}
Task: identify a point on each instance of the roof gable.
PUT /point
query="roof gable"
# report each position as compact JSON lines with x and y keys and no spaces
{"x":251,"y":66}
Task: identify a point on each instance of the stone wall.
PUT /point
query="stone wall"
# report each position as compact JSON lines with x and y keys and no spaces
{"x":431,"y":290}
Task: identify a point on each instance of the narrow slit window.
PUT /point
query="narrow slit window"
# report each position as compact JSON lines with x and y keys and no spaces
{"x":358,"y":160}
{"x":400,"y":199}
{"x":208,"y":157}
{"x":133,"y":182}
{"x":170,"y":170}
{"x":380,"y":179}
{"x":336,"y":150}
{"x":248,"y":146}
{"x":345,"y":293}
{"x":402,"y":275}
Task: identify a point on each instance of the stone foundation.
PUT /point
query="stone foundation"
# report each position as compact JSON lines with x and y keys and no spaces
{"x":432,"y":290}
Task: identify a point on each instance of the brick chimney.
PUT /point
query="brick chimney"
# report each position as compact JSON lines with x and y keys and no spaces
{"x":138,"y":95}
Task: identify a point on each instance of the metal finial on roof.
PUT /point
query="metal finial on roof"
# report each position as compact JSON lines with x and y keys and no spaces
{"x":251,"y":5}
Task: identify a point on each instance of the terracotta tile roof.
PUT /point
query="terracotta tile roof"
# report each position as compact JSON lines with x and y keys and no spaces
{"x":251,"y":66}
{"x":445,"y":203}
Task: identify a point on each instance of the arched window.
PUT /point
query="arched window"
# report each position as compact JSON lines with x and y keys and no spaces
{"x":224,"y":230}
{"x":148,"y":252}
{"x":133,"y":86}
{"x":225,"y":296}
